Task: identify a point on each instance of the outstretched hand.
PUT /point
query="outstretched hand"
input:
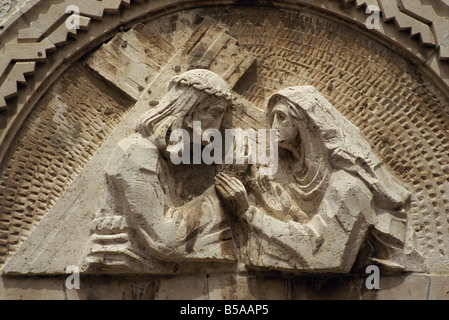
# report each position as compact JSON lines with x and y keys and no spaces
{"x":232,"y":191}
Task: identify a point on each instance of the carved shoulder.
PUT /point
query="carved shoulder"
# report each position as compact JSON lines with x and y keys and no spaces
{"x":348,"y":194}
{"x":343,"y":184}
{"x":133,"y":154}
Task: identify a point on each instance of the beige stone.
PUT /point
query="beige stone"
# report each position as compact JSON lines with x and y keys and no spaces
{"x":80,"y":220}
{"x":363,"y":162}
{"x":53,"y":14}
{"x":105,"y":288}
{"x":125,"y":236}
{"x":391,"y":11}
{"x":406,"y":287}
{"x":438,"y":288}
{"x":319,"y":224}
{"x":347,"y":185}
{"x":247,"y":287}
{"x":32,"y":289}
{"x":180,"y":288}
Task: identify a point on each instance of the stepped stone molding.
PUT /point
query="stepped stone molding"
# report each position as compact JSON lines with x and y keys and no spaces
{"x":35,"y":36}
{"x":421,"y":18}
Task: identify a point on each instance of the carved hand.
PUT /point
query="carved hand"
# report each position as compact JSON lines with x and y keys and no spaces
{"x":233,"y":192}
{"x":272,"y":196}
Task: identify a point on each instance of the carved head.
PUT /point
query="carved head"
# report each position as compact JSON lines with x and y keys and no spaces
{"x":282,"y":120}
{"x":196,"y":95}
{"x":313,"y":115}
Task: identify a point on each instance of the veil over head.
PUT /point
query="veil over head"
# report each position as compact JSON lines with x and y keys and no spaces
{"x":346,"y":147}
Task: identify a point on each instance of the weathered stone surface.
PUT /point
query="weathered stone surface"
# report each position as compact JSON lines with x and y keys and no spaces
{"x":58,"y":132}
{"x":286,"y":229}
{"x":406,"y":287}
{"x":317,"y":226}
{"x":363,"y":161}
{"x":247,"y":287}
{"x":132,"y":60}
{"x":438,"y":288}
{"x":160,"y":219}
{"x":7,"y":7}
{"x":107,"y":288}
{"x":80,"y":228}
{"x":325,"y":288}
{"x":181,"y":288}
{"x":31,"y":289}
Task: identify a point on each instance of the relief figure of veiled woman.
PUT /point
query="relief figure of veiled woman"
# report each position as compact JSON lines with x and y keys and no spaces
{"x":329,"y":195}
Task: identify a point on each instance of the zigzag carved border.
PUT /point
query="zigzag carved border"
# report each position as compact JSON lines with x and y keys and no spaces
{"x":429,"y":21}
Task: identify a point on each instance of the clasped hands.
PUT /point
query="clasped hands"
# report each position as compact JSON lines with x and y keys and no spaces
{"x":233,"y":192}
{"x":235,"y":196}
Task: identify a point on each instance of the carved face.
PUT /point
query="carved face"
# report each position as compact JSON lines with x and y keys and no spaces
{"x":210,"y":112}
{"x":281,"y":121}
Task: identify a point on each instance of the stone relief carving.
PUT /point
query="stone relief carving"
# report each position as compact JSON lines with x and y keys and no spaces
{"x":329,"y":193}
{"x":151,"y":62}
{"x":330,"y":196}
{"x":146,"y":213}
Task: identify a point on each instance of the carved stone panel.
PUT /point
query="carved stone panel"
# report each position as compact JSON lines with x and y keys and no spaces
{"x":360,"y":169}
